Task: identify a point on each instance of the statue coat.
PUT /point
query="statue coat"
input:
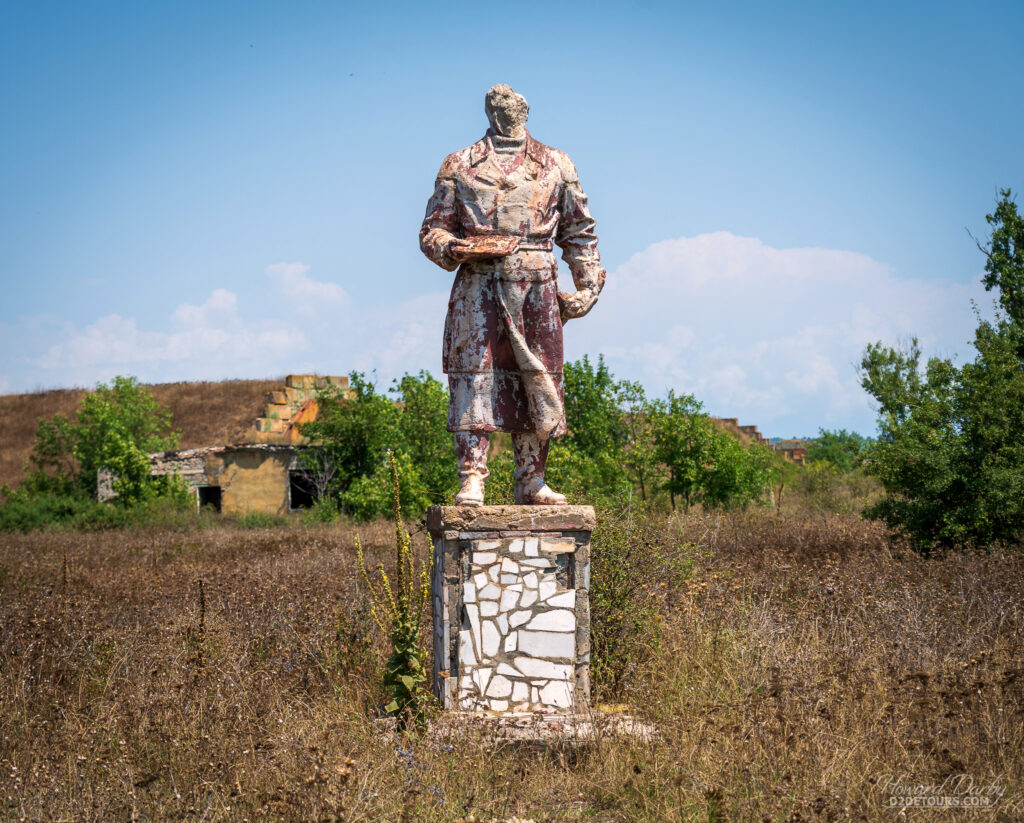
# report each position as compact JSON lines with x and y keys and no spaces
{"x":502,"y":347}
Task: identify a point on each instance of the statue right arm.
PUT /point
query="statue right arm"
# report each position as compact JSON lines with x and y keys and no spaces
{"x":440,"y":225}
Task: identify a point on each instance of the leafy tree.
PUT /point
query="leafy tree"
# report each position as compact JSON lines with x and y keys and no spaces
{"x":683,"y":443}
{"x":950,"y":454}
{"x":840,"y":448}
{"x":640,"y":459}
{"x":116,"y":427}
{"x":598,"y":434}
{"x":352,"y":432}
{"x":356,"y":429}
{"x":423,"y":402}
{"x":704,"y":463}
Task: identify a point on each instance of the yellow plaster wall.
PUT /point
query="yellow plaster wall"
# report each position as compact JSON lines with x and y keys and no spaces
{"x":252,"y":481}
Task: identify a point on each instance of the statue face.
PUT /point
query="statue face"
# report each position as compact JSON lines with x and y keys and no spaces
{"x":506,"y":111}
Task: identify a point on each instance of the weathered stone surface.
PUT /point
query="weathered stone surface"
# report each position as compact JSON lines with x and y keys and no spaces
{"x":499,"y":208}
{"x":504,"y":518}
{"x":525,"y":618}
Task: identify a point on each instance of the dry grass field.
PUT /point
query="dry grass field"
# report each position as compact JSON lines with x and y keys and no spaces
{"x":207,"y":414}
{"x":801,"y":661}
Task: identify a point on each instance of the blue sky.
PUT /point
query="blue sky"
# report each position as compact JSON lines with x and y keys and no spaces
{"x":234,"y":190}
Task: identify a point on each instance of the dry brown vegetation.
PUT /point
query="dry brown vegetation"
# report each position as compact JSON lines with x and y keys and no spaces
{"x":207,"y":414}
{"x":801,"y":660}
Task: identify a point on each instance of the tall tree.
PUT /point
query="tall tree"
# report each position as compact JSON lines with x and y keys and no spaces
{"x":950,"y":453}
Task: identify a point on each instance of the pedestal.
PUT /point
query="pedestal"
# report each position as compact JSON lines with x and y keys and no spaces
{"x":511,"y":607}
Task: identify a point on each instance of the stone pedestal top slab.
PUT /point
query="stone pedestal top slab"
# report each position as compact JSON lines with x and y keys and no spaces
{"x":509,"y":518}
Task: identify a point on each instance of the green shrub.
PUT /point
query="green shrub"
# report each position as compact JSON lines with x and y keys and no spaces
{"x":637,"y":563}
{"x":36,"y":512}
{"x":398,"y":610}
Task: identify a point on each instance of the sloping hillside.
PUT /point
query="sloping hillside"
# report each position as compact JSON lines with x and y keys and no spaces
{"x":207,"y":414}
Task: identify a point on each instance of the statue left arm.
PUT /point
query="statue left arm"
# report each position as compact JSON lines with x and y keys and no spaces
{"x":578,"y":241}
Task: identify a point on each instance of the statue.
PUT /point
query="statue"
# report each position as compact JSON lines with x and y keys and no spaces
{"x":498,"y":208}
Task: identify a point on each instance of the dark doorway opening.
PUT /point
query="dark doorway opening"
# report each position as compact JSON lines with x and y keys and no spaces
{"x":209,"y":496}
{"x":302,"y":491}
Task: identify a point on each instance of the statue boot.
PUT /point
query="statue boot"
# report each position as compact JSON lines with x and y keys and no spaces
{"x":471,"y":454}
{"x":531,"y":456}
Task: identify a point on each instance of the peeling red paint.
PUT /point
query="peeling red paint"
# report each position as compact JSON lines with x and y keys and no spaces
{"x":502,"y":347}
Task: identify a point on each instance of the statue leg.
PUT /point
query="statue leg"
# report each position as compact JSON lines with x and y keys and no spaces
{"x":471,"y":454}
{"x":531,"y":456}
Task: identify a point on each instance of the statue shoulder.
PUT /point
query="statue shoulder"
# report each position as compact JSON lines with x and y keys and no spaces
{"x":456,"y":163}
{"x":549,"y":156}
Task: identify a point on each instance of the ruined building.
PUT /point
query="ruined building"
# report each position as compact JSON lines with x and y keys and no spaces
{"x":262,"y":475}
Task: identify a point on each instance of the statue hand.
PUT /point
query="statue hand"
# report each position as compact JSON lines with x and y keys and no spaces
{"x":458,"y":250}
{"x":575,"y":305}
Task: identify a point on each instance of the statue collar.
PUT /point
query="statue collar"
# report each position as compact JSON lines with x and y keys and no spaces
{"x":483,"y":147}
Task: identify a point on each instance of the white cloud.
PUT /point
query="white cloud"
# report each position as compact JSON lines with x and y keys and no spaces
{"x":771,"y":336}
{"x":768,"y":335}
{"x":305,"y":294}
{"x":213,"y":340}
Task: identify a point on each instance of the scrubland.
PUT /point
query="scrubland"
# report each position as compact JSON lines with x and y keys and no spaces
{"x":793,"y":665}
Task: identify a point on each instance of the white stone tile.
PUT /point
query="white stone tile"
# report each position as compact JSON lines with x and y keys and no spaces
{"x":498,"y":705}
{"x":511,"y":641}
{"x":473,"y":613}
{"x":535,"y":563}
{"x":487,"y":545}
{"x":534,"y":695}
{"x":530,"y":546}
{"x":502,"y":621}
{"x":529,"y":598}
{"x":466,"y":655}
{"x":547,"y":588}
{"x":559,"y":620}
{"x":480,"y":579}
{"x":518,"y":618}
{"x":493,"y":571}
{"x":490,"y":592}
{"x":548,"y":644}
{"x":500,"y":686}
{"x":509,"y":579}
{"x":543,"y":668}
{"x":509,"y":599}
{"x":484,"y":558}
{"x":508,"y":671}
{"x":530,"y":580}
{"x":565,"y":600}
{"x":515,"y":545}
{"x":509,"y":566}
{"x":491,"y":639}
{"x":556,"y":694}
{"x":488,"y":608}
{"x":520,"y":691}
{"x":480,"y":678}
{"x":468,"y":592}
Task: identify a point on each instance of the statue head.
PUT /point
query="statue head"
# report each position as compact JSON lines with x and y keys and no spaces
{"x":506,"y":111}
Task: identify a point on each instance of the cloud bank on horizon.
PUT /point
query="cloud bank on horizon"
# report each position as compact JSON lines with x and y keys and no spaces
{"x":771,"y":336}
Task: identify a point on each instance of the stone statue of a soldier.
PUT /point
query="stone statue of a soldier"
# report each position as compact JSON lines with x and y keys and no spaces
{"x":499,"y":208}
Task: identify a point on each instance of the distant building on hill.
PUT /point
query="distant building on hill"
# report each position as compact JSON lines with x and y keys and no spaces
{"x":793,"y":450}
{"x":745,"y":434}
{"x":260,"y":476}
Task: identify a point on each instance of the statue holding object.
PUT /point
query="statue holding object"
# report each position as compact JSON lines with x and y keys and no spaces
{"x":498,"y":210}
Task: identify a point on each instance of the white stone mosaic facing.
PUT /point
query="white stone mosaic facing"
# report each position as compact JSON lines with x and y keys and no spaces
{"x":517,"y":648}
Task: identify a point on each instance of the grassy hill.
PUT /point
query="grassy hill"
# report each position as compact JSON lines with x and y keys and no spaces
{"x":206,"y":413}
